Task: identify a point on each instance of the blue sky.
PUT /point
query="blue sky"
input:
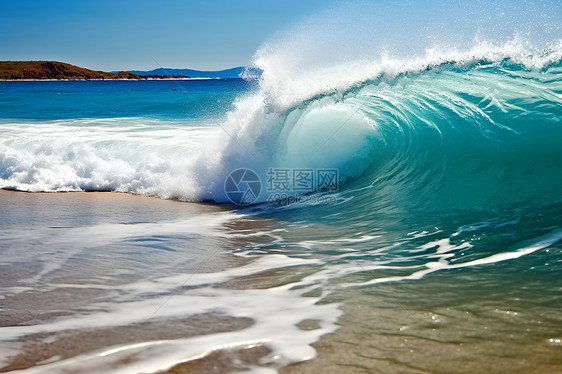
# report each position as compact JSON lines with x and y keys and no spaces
{"x":115,"y":35}
{"x":218,"y":34}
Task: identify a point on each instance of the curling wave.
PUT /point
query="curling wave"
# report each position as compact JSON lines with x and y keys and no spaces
{"x":473,"y":125}
{"x":478,"y":118}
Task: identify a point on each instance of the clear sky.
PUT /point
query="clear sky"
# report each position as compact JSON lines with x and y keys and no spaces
{"x":126,"y":35}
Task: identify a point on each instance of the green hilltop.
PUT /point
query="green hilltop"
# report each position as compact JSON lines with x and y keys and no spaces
{"x":19,"y":70}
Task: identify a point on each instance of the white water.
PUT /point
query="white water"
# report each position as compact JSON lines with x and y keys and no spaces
{"x":135,"y":155}
{"x":276,"y":311}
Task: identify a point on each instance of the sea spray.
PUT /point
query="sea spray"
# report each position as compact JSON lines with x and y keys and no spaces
{"x":343,"y":92}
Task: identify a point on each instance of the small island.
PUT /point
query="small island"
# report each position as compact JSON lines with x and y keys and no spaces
{"x":54,"y":70}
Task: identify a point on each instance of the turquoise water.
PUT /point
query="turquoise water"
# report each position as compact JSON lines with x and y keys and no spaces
{"x":447,"y":197}
{"x":51,"y":100}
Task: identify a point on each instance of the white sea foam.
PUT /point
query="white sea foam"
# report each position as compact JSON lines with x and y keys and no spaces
{"x":133,"y":155}
{"x":276,"y":311}
{"x":439,"y":259}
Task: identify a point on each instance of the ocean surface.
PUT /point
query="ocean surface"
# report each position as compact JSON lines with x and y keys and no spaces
{"x":402,"y":217}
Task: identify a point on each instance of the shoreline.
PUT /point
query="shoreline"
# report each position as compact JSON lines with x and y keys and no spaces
{"x":126,"y":195}
{"x":99,"y":266}
{"x":391,"y":328}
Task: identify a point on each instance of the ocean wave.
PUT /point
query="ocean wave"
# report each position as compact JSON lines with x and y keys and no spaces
{"x":430,"y":114}
{"x":487,"y":114}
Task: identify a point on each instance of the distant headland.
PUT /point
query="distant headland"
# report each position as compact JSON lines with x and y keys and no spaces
{"x":236,"y":72}
{"x":54,"y":70}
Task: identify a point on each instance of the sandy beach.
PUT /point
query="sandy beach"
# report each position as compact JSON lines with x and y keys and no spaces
{"x":70,"y":256}
{"x":388,"y":329}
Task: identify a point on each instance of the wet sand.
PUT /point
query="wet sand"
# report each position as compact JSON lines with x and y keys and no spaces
{"x":469,"y":321}
{"x":38,"y":304}
{"x":48,"y":347}
{"x":60,"y":283}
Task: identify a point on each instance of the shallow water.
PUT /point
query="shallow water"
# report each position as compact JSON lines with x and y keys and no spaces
{"x":101,"y":272}
{"x":127,"y":282}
